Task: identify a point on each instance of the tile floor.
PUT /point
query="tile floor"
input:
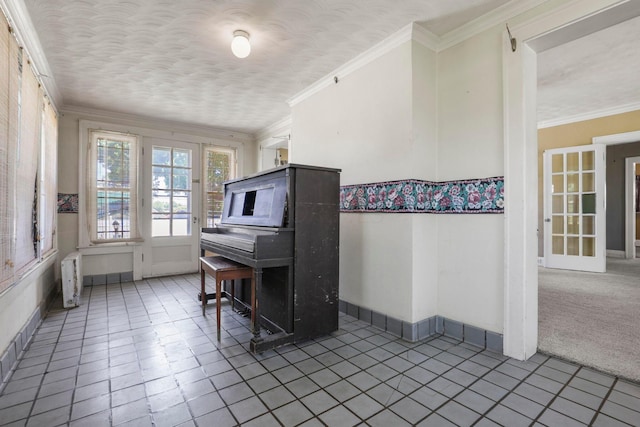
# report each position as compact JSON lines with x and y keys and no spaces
{"x":141,"y":354}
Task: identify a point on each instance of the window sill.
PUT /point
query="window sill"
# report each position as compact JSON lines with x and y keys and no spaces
{"x":109,"y":248}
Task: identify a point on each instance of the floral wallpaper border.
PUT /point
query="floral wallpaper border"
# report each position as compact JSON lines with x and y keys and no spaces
{"x":485,"y":195}
{"x":67,"y":203}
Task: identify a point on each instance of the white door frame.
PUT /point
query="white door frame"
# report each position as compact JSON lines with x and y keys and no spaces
{"x":149,"y":267}
{"x":520,"y":333}
{"x":630,"y":212}
{"x":630,"y":223}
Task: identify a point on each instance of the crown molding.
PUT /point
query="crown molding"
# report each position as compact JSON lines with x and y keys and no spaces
{"x":414,"y":31}
{"x":425,"y":37}
{"x":399,"y":37}
{"x":282,"y":125}
{"x":167,"y":125}
{"x":598,"y":114}
{"x":497,"y":16}
{"x":24,"y":31}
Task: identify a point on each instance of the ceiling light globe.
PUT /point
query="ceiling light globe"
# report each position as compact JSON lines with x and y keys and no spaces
{"x":240,"y":45}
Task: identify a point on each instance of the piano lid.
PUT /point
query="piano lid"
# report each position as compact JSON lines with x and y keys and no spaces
{"x":259,"y":201}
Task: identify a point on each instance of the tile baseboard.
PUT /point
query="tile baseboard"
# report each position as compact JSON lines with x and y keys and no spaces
{"x":20,"y":342}
{"x":13,"y":353}
{"x":107,"y":279}
{"x":426,"y":328}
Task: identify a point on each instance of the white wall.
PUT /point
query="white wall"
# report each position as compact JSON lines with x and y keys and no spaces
{"x":413,"y":113}
{"x":370,"y":126}
{"x":470,"y":145}
{"x":18,"y":303}
{"x":68,"y":151}
{"x":362,"y":124}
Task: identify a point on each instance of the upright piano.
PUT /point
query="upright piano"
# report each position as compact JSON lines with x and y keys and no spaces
{"x":284,"y":223}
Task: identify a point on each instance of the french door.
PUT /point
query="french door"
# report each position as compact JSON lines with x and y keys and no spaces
{"x":574,"y":208}
{"x":171,"y":207}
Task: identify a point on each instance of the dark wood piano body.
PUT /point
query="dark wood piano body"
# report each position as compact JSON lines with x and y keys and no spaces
{"x":284,"y":223}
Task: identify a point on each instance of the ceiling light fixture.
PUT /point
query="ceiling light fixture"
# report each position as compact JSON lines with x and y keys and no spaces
{"x":240,"y":45}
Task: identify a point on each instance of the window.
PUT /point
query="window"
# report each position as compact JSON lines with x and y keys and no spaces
{"x":9,"y":125}
{"x":171,"y":192}
{"x":28,"y":168}
{"x":112,"y":193}
{"x":219,"y":166}
{"x":49,"y":181}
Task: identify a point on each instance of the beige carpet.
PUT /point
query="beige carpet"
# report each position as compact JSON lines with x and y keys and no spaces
{"x":593,"y":318}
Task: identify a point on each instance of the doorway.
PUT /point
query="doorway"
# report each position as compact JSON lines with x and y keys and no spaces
{"x":520,"y":159}
{"x":171,"y":212}
{"x":632,"y":207}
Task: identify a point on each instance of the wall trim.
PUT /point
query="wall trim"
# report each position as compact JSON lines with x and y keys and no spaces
{"x":107,"y":278}
{"x":617,"y":138}
{"x":148,"y":123}
{"x":591,"y":115}
{"x":427,"y":328}
{"x":469,"y":196}
{"x":386,"y":45}
{"x":495,"y":17}
{"x":612,"y":253}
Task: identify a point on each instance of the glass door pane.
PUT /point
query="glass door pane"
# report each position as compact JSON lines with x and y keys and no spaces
{"x":171,"y":192}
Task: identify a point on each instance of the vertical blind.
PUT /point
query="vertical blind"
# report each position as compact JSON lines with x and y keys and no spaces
{"x":9,"y":94}
{"x":28,"y":186}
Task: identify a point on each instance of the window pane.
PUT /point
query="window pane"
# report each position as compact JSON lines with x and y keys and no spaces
{"x":588,"y":163}
{"x":161,"y":201}
{"x":182,"y":158}
{"x":160,"y":225}
{"x":588,"y":182}
{"x":558,"y":224}
{"x":161,"y":156}
{"x":573,"y":182}
{"x":588,"y":225}
{"x":573,"y":224}
{"x":589,"y":203}
{"x":573,"y":246}
{"x":558,"y":204}
{"x":181,"y":179}
{"x":557,"y":163}
{"x":182,"y":225}
{"x":219,"y":167}
{"x":115,"y":171}
{"x":572,"y":204}
{"x":181,"y":202}
{"x":589,"y":246}
{"x":557,"y":246}
{"x":161,"y":177}
{"x":558,"y":183}
{"x":573,"y":160}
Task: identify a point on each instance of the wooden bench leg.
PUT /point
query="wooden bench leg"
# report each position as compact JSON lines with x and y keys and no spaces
{"x":203,"y":292}
{"x":218,"y":296}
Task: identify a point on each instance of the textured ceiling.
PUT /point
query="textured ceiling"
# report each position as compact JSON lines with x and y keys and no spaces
{"x":171,"y":59}
{"x":593,"y":73}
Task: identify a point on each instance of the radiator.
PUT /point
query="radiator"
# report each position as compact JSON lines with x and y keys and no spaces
{"x":71,"y":280}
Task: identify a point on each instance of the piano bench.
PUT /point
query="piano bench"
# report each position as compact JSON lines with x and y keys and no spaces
{"x":221,"y":268}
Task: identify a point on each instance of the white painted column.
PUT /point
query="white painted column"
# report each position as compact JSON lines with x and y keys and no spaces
{"x":521,"y":205}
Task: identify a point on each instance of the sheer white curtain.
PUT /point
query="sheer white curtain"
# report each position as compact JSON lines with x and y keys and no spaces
{"x":9,"y":90}
{"x":27,"y":167}
{"x":107,"y":188}
{"x":49,"y":190}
